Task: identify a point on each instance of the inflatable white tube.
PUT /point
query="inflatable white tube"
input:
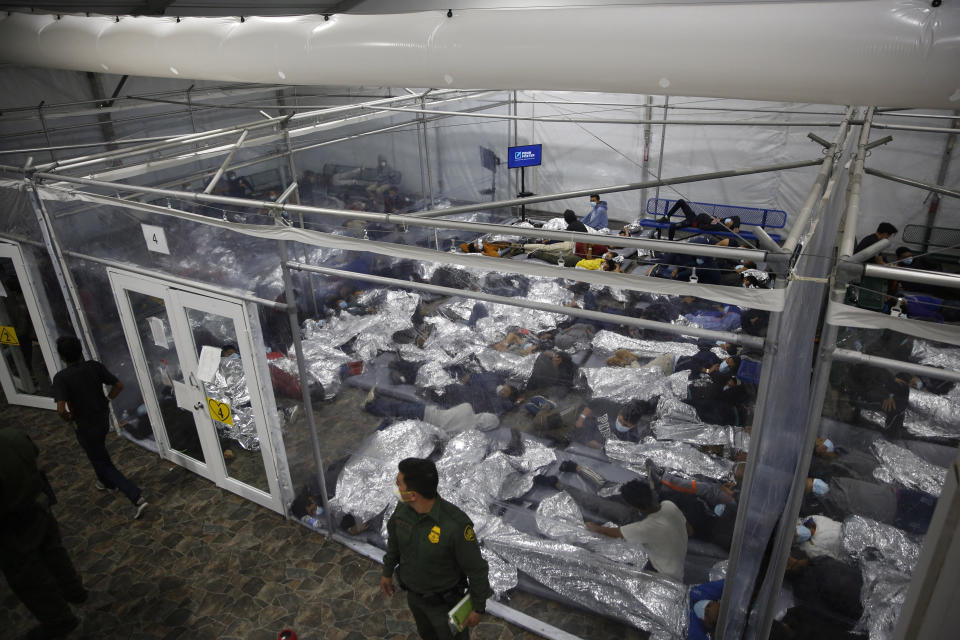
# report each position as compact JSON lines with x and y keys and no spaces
{"x":901,"y":53}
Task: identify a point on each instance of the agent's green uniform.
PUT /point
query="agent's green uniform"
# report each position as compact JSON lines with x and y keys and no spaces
{"x":32,"y":557}
{"x":437,"y":552}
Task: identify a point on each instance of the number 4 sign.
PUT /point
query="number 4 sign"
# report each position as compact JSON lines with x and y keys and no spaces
{"x":156,"y":238}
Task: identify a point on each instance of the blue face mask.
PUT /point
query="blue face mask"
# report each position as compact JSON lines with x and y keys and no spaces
{"x":342,"y":304}
{"x":724,"y":367}
{"x":907,"y":261}
{"x":820,"y":487}
{"x":619,"y":426}
{"x":234,"y":356}
{"x":719,"y":509}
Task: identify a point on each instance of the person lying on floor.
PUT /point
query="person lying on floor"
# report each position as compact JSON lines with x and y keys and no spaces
{"x":721,"y":318}
{"x":523,"y":341}
{"x":485,"y":391}
{"x":626,"y":358}
{"x":552,"y":370}
{"x":830,"y":460}
{"x":906,"y":509}
{"x":718,"y":398}
{"x":453,"y":420}
{"x":602,"y":418}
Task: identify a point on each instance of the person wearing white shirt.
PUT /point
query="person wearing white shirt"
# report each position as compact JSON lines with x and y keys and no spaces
{"x":662,"y":532}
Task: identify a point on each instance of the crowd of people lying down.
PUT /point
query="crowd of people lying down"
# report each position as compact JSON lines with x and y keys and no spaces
{"x":609,"y":453}
{"x":606,"y":254}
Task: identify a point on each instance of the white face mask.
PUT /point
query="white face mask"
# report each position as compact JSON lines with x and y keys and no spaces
{"x":724,"y":367}
{"x":919,"y":385}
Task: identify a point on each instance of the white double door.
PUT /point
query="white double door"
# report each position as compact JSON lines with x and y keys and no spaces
{"x":214,"y":421}
{"x":27,"y":358}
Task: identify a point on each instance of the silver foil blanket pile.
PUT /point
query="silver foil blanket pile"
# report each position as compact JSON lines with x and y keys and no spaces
{"x":936,"y":354}
{"x":394,"y":312}
{"x":610,"y":341}
{"x":647,"y":601}
{"x":624,"y":385}
{"x":928,"y":415}
{"x":902,"y":466}
{"x":677,"y":456}
{"x":366,"y":484}
{"x":229,"y":386}
{"x":887,"y":557}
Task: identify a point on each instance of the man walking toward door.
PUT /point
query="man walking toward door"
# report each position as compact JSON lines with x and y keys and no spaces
{"x":78,"y":391}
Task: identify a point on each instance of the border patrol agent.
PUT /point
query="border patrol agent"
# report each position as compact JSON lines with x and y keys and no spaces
{"x":32,"y":556}
{"x":439,"y":559}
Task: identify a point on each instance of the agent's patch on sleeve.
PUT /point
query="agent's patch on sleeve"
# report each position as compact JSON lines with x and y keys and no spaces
{"x":468,"y":534}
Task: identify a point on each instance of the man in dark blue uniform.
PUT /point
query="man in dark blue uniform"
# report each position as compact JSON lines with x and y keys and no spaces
{"x":432,"y":545}
{"x":78,"y":390}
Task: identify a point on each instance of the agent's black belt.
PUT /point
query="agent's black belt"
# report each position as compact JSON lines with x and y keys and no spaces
{"x":449,"y":596}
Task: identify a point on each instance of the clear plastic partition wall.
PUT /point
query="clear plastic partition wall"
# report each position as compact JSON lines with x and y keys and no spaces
{"x":542,"y":422}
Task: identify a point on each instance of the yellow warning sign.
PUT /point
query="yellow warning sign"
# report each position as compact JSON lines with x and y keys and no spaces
{"x":220,"y":411}
{"x":8,"y":336}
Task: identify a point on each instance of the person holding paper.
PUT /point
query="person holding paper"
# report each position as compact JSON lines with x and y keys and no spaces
{"x":433,"y":548}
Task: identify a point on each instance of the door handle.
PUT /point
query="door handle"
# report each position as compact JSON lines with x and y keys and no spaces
{"x":198,"y":406}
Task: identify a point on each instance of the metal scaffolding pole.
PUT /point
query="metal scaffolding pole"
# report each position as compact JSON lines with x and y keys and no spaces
{"x":818,"y":190}
{"x":847,"y":355}
{"x":914,"y":183}
{"x":67,"y":286}
{"x":941,"y":178}
{"x":630,"y":186}
{"x":645,"y":166}
{"x":848,"y":240}
{"x":292,"y":306}
{"x":658,"y":245}
{"x":226,"y":162}
{"x":567,"y":120}
{"x":177,"y":280}
{"x":663,"y":140}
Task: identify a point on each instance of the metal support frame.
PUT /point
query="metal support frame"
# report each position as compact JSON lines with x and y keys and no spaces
{"x":817,"y":191}
{"x":226,"y":162}
{"x":568,"y":120}
{"x":645,"y":161}
{"x":848,"y":241}
{"x":663,"y":140}
{"x":847,"y":355}
{"x":292,"y":306}
{"x":659,"y":245}
{"x":67,"y":286}
{"x":666,"y":327}
{"x":177,"y":280}
{"x":941,"y":178}
{"x":630,"y":186}
{"x":935,"y":188}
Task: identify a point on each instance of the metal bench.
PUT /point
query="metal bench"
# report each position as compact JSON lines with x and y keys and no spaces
{"x":657,"y":209}
{"x":945,"y":241}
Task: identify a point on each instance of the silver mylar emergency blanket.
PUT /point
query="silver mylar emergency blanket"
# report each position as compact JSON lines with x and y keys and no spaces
{"x":671,"y":426}
{"x":887,"y":557}
{"x":645,"y":600}
{"x":625,"y":384}
{"x":678,"y":456}
{"x":366,"y":485}
{"x":610,"y":341}
{"x":229,"y":386}
{"x":928,"y":415}
{"x":902,"y":466}
{"x":559,"y":518}
{"x":936,"y":354}
{"x":900,"y":548}
{"x":883,"y":594}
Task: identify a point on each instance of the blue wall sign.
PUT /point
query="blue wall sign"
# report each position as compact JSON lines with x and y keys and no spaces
{"x":525,"y":156}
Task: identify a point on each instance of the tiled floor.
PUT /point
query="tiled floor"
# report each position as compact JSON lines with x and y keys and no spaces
{"x":203,"y":563}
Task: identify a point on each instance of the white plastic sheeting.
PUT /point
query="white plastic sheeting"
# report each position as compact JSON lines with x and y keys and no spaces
{"x":862,"y":52}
